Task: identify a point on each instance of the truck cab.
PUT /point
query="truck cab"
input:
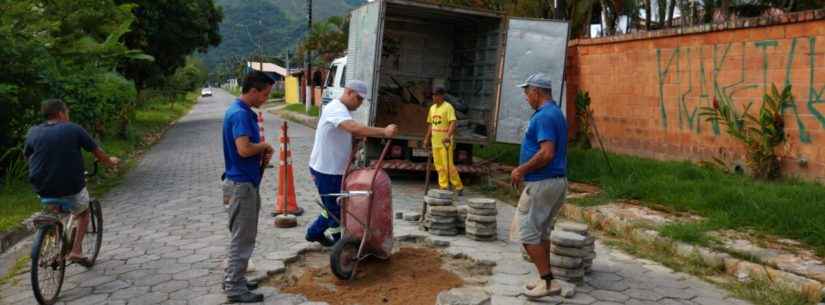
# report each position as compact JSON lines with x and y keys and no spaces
{"x":334,"y":84}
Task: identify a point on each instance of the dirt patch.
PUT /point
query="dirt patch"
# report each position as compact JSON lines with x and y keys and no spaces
{"x":414,"y":275}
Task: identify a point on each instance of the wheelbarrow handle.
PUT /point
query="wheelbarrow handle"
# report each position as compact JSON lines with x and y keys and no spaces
{"x":348,"y":194}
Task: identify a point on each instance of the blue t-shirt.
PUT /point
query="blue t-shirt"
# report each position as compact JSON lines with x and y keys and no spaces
{"x":240,"y":121}
{"x":546,"y":124}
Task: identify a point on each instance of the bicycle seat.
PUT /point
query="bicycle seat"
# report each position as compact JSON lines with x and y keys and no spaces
{"x":56,"y":205}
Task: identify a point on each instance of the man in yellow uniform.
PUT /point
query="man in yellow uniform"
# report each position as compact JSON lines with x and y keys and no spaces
{"x":440,"y":128}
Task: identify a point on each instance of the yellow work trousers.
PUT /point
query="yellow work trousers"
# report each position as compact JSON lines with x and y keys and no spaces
{"x":440,"y":158}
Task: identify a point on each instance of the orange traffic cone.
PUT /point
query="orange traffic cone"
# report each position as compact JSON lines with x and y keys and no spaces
{"x":286,"y":202}
{"x":261,"y":126}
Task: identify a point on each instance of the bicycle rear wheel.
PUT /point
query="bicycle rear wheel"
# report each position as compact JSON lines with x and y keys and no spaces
{"x":94,"y":233}
{"x":47,"y":264}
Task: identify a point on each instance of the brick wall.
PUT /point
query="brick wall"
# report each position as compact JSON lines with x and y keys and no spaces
{"x":647,"y":88}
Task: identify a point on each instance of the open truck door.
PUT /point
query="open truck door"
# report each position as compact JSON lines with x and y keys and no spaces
{"x":531,"y":46}
{"x":364,"y":54}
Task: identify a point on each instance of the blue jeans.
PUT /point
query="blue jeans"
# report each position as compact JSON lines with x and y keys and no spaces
{"x":326,"y":184}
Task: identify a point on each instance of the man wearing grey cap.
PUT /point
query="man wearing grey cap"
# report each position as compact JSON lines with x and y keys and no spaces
{"x":331,"y":152}
{"x":542,"y":169}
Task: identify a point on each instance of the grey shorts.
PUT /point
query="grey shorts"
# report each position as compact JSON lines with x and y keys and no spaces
{"x":76,"y":204}
{"x":538,"y":206}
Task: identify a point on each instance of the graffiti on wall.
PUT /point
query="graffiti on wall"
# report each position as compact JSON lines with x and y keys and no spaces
{"x":696,"y":73}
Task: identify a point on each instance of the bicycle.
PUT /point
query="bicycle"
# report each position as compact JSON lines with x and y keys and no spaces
{"x":53,"y":242}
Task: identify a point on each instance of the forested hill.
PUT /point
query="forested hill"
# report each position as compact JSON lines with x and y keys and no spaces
{"x":274,"y":24}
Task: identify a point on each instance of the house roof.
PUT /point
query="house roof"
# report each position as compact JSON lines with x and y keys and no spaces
{"x":267,"y":67}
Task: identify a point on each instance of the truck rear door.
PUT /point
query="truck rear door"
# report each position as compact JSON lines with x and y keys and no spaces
{"x":364,"y":53}
{"x":531,"y":46}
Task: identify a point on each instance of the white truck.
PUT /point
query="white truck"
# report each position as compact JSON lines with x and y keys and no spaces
{"x":402,"y":48}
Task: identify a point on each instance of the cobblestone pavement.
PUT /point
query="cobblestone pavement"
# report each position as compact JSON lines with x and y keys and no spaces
{"x":165,"y":235}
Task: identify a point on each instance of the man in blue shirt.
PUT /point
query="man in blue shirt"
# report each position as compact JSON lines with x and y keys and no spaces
{"x":244,"y":158}
{"x":542,"y":169}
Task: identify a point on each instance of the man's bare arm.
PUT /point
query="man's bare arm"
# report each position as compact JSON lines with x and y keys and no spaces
{"x":248,"y":149}
{"x":359,"y":130}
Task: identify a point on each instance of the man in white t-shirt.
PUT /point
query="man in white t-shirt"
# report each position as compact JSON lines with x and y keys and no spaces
{"x":331,"y":152}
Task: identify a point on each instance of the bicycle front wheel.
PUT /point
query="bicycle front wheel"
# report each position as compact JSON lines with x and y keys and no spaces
{"x":94,"y":233}
{"x":47,"y":264}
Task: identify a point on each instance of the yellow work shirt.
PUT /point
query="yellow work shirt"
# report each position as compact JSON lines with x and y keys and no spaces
{"x":439,"y":119}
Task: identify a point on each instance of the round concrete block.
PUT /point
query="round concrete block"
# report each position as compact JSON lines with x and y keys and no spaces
{"x":573,"y":227}
{"x":412,"y":216}
{"x":443,"y":219}
{"x":567,"y":239}
{"x":567,"y":251}
{"x":480,"y":237}
{"x":433,"y":201}
{"x":462,"y":209}
{"x":565,"y":261}
{"x":481,"y":218}
{"x":481,"y":212}
{"x":479,"y":225}
{"x":442,"y":194}
{"x":589,"y":256}
{"x":447,"y":210}
{"x":567,"y":273}
{"x":481,"y":203}
{"x":479,"y":231}
{"x":442,"y":226}
{"x":439,"y":232}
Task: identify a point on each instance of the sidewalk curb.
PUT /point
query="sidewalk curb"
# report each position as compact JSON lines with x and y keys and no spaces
{"x":308,"y":121}
{"x":738,"y":268}
{"x":11,"y":238}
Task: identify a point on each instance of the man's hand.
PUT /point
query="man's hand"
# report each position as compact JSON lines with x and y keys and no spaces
{"x":268,"y":153}
{"x":446,"y":141}
{"x":113,"y":161}
{"x":517,"y":177}
{"x":390,"y":130}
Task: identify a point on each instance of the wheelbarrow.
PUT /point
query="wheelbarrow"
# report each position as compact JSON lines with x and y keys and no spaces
{"x":367,"y":217}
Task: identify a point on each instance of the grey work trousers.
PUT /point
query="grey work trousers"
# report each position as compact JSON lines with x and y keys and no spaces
{"x":242,"y":202}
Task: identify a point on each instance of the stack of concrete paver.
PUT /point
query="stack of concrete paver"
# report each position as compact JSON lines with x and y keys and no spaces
{"x":441,"y":215}
{"x":480,"y":223}
{"x":461,"y":219}
{"x":567,"y":254}
{"x":590,"y":241}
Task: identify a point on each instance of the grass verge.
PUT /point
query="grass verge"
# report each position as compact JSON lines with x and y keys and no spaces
{"x":300,"y":108}
{"x":789,"y":208}
{"x":18,"y":201}
{"x":18,"y":267}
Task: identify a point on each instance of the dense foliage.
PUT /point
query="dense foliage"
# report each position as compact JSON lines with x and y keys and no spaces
{"x":70,"y":49}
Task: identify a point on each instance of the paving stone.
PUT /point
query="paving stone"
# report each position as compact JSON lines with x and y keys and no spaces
{"x":286,"y":299}
{"x":110,"y":287}
{"x":482,"y":212}
{"x":481,"y":218}
{"x":210,"y":299}
{"x":90,"y":300}
{"x":567,"y":239}
{"x":481,"y":203}
{"x":607,"y":295}
{"x":574,"y":227}
{"x":568,"y":273}
{"x":565,"y":261}
{"x":170,"y":286}
{"x":463,"y":296}
{"x":505,"y":300}
{"x":645,"y":295}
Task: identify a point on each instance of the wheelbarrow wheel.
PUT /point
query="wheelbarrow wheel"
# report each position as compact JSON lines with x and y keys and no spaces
{"x":344,"y":258}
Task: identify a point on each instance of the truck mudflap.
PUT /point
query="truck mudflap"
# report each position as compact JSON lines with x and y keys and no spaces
{"x":406,"y":165}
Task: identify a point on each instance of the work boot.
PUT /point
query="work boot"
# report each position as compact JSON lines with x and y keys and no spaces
{"x":247,"y":297}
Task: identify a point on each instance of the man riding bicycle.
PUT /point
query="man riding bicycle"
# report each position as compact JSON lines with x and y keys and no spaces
{"x":56,"y":172}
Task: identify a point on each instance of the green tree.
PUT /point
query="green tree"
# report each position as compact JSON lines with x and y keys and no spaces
{"x":327,"y":40}
{"x":169,"y":31}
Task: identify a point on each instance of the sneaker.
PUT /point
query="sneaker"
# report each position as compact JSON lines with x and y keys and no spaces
{"x":541,"y":290}
{"x":323,"y":240}
{"x":247,"y":297}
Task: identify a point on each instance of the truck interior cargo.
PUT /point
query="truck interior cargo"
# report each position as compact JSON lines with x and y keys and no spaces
{"x":423,"y":47}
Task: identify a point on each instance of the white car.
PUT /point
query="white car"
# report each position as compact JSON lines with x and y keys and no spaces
{"x":334,"y":86}
{"x":206,"y":92}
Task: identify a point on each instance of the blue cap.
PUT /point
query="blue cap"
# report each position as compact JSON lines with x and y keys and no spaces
{"x":359,"y":87}
{"x":539,"y":80}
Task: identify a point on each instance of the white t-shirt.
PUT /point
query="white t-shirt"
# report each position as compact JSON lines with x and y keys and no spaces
{"x":333,"y":146}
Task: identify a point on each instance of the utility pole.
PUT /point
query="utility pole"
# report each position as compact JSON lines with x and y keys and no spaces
{"x":307,"y":53}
